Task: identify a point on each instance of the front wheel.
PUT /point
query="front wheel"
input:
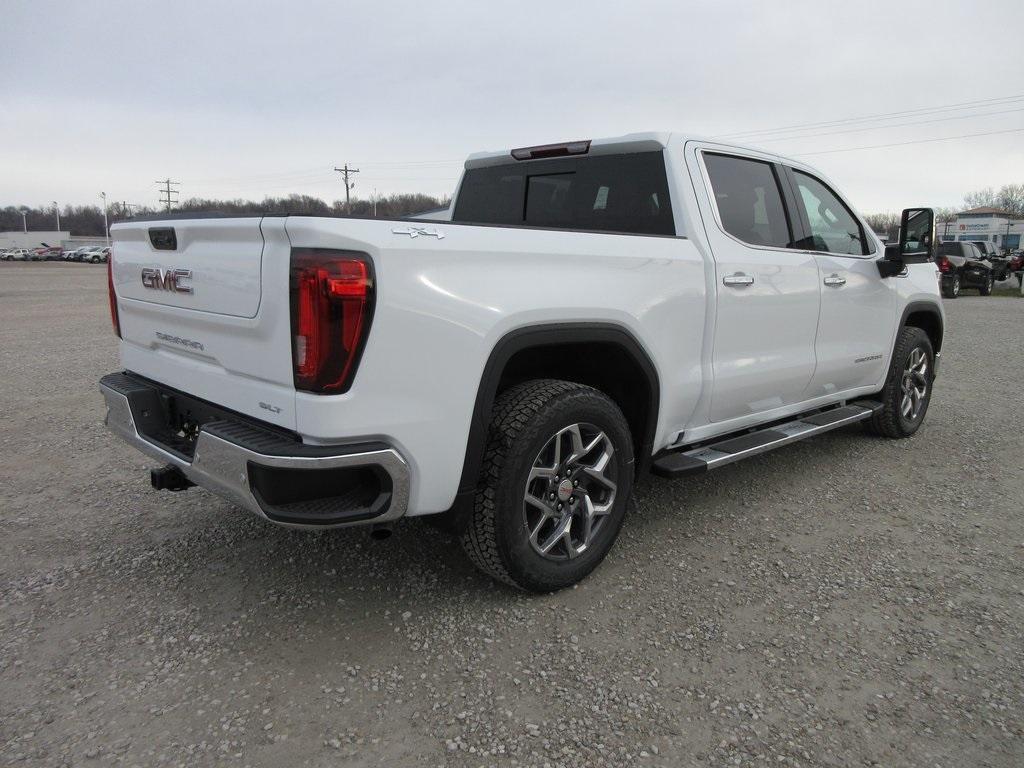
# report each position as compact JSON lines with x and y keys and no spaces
{"x":908,"y":388}
{"x":986,"y":289}
{"x":556,"y":477}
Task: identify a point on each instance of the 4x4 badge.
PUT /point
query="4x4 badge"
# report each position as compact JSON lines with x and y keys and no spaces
{"x":415,"y":232}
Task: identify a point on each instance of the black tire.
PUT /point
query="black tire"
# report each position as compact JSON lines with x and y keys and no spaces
{"x":891,"y":421}
{"x":986,"y":289}
{"x":524,"y":422}
{"x":951,"y":287}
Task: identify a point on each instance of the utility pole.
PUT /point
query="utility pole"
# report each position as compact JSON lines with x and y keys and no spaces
{"x":345,"y":172}
{"x":56,"y":209}
{"x":106,"y":223}
{"x":24,"y":220}
{"x":168,"y":195}
{"x":126,"y":208}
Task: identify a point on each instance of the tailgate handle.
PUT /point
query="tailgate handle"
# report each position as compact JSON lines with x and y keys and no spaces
{"x":163,"y":238}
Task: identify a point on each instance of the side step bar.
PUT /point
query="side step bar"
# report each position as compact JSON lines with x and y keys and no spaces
{"x":689,"y":461}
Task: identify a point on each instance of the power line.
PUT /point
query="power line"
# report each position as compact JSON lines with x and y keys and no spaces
{"x":894,"y":125}
{"x":881,"y":116}
{"x":905,"y":143}
{"x":168,"y":195}
{"x":262,"y":176}
{"x":345,"y":172}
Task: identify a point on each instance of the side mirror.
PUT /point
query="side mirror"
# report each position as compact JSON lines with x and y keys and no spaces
{"x":916,"y":243}
{"x":917,"y":235}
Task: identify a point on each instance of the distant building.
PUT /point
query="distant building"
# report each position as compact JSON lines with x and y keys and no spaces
{"x":32,"y":239}
{"x":1001,"y":228}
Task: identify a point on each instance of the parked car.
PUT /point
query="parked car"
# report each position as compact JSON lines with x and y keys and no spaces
{"x":76,"y":254}
{"x":47,"y":253}
{"x":585,"y":312}
{"x":961,"y":265}
{"x":1000,"y":264}
{"x":91,"y":253}
{"x":18,"y":254}
{"x":1017,"y":265}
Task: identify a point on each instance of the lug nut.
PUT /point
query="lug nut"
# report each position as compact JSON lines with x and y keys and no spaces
{"x":559,"y":506}
{"x":575,"y":483}
{"x":572,"y":499}
{"x":551,"y":496}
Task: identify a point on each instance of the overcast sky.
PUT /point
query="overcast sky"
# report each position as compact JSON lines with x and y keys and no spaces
{"x":252,"y":98}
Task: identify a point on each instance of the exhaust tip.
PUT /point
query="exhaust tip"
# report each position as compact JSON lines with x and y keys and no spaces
{"x":381,"y":532}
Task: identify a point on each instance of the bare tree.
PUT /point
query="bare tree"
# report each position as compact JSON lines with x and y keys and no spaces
{"x":884,"y":223}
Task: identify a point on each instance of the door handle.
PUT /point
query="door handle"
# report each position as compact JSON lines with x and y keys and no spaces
{"x":738,"y":280}
{"x":835,"y":281}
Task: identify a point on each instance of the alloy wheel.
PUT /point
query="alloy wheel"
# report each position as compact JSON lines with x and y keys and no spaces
{"x":570,"y":491}
{"x":914,"y":384}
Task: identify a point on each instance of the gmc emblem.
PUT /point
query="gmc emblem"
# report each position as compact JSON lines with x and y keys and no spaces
{"x":166,"y":279}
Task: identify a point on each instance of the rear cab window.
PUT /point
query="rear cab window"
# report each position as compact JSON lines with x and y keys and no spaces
{"x":622,"y":193}
{"x":748,"y":198}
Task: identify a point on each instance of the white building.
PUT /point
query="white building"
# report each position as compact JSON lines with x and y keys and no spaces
{"x":1002,"y":229}
{"x":32,"y":239}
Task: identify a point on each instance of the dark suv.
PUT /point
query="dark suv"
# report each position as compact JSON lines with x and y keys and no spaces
{"x":962,"y":265}
{"x":1000,"y":264}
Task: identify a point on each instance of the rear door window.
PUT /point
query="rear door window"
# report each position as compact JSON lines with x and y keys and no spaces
{"x":749,"y":200}
{"x":607,"y":193}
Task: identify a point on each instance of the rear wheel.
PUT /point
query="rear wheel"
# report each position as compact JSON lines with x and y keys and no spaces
{"x":951,"y":287}
{"x":553,"y":488}
{"x":908,"y":388}
{"x":986,"y":289}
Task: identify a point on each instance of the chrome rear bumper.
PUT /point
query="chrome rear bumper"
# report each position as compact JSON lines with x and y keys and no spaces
{"x":224,"y":464}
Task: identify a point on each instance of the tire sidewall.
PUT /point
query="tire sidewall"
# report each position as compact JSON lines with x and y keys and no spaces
{"x":526,"y":566}
{"x":916,"y":339}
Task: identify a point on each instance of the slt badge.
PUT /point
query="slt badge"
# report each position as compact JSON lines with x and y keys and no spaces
{"x":415,"y":232}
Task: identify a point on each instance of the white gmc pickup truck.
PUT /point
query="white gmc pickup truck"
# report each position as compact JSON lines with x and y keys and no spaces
{"x":583,"y":312}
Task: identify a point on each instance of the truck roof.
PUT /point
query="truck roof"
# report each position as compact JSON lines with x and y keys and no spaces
{"x":650,"y":141}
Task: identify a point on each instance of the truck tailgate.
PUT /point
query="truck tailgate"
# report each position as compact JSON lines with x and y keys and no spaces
{"x":195,"y":316}
{"x":223,"y":256}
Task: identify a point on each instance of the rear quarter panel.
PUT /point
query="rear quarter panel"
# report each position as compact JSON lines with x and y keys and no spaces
{"x":443,"y":304}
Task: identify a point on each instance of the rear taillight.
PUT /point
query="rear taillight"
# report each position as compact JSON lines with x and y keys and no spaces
{"x":114,"y":317}
{"x":332,"y":303}
{"x":943,"y":264}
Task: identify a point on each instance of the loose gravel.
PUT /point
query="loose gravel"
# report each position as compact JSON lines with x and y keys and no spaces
{"x":845,"y":601}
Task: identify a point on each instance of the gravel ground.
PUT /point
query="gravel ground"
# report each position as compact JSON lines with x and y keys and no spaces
{"x":844,"y":601}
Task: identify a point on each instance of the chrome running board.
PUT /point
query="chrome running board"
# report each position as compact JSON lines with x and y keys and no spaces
{"x":721,"y":451}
